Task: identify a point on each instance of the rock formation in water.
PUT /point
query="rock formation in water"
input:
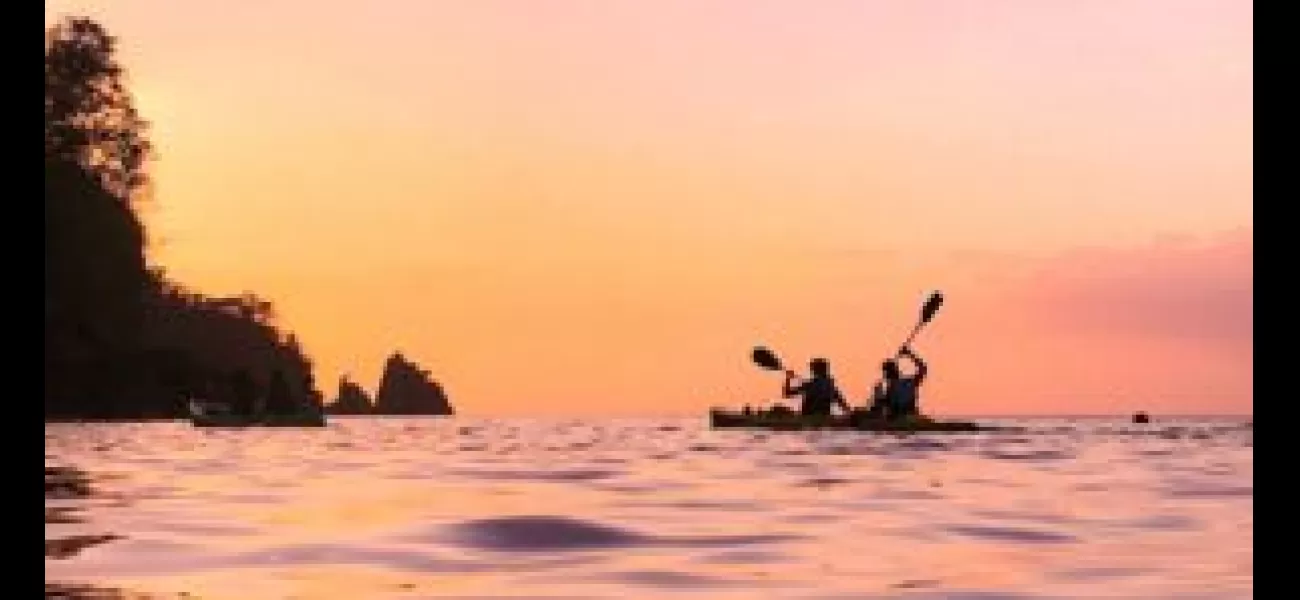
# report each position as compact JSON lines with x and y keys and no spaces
{"x":406,"y":389}
{"x":352,"y":400}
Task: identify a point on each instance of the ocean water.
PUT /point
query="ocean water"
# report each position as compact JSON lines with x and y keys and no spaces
{"x":462,"y":508}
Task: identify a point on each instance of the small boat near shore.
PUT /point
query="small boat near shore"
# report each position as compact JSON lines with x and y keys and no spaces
{"x":207,"y":414}
{"x":286,"y":420}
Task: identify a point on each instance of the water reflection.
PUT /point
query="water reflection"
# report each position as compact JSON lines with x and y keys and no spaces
{"x":64,"y":484}
{"x":369,"y":508}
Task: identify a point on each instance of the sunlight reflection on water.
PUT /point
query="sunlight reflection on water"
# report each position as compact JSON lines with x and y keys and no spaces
{"x":377,"y":508}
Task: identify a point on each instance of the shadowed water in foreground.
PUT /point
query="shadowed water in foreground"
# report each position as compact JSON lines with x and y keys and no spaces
{"x":414,"y":507}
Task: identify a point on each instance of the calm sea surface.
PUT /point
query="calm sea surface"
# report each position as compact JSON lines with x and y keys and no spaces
{"x":461,"y":508}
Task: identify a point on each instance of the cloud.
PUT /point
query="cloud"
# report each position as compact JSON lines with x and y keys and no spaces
{"x":1185,"y":291}
{"x":1166,"y":326}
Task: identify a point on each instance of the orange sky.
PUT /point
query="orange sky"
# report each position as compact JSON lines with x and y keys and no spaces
{"x":592,"y":206}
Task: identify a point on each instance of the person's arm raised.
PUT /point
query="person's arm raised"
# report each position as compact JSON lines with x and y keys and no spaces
{"x":786,"y":390}
{"x":921,"y":368}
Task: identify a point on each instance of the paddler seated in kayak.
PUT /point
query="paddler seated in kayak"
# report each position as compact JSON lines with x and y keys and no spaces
{"x":818,"y":392}
{"x":896,"y":396}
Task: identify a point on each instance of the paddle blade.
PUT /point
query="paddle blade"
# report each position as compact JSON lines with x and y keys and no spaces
{"x":931,"y":307}
{"x":766,"y":358}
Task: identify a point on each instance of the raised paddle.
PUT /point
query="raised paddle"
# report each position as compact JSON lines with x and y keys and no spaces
{"x":928,"y":311}
{"x":766,"y":359}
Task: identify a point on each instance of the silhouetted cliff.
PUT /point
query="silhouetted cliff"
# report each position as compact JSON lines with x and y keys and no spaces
{"x":95,"y":290}
{"x":406,"y":389}
{"x":351,"y":400}
{"x":202,"y":343}
{"x":121,"y":341}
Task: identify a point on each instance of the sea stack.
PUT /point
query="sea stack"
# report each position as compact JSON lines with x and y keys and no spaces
{"x":406,"y":389}
{"x":352,"y":400}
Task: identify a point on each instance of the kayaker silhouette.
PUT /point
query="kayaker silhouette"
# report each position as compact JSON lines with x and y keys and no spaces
{"x":818,"y":392}
{"x":897,"y":395}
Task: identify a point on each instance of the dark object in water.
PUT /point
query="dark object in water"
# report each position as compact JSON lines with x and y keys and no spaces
{"x":271,"y":420}
{"x":858,"y":420}
{"x":1141,"y":417}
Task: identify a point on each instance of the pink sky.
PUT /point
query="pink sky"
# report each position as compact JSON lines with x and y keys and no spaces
{"x":599,"y":206}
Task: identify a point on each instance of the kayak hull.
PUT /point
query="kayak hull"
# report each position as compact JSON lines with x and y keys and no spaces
{"x":858,"y":421}
{"x":303,"y":420}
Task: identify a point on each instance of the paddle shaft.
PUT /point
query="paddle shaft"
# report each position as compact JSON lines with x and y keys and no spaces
{"x":898,"y":353}
{"x":910,"y":337}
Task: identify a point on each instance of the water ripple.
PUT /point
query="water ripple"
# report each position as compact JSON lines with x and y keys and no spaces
{"x":1011,"y":534}
{"x":327,"y":554}
{"x":460,"y":508}
{"x":1211,"y":492}
{"x":670,"y":579}
{"x":1099,"y":573}
{"x":543,"y":533}
{"x":522,"y":475}
{"x":1027,"y":454}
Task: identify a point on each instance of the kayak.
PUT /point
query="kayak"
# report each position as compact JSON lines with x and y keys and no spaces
{"x":857,"y":421}
{"x":228,"y":420}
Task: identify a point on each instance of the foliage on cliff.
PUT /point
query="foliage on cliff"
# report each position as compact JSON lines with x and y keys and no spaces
{"x":122,"y":341}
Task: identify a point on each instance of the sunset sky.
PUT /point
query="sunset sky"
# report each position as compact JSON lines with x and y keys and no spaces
{"x":600,"y":206}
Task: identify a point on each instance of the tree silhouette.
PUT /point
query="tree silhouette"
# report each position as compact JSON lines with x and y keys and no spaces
{"x":90,"y":119}
{"x":95,"y":269}
{"x":121,"y":339}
